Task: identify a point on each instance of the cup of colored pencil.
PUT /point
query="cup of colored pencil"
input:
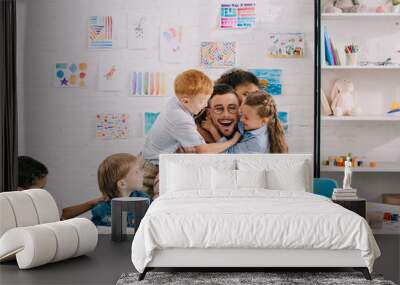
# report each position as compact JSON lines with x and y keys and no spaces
{"x":351,"y":54}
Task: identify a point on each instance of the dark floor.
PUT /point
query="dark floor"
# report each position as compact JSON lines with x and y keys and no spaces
{"x":110,"y":259}
{"x":102,"y":266}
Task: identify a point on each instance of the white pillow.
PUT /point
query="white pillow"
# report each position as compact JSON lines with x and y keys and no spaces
{"x":293,"y":180}
{"x":188,"y":177}
{"x":282,"y":172}
{"x":223,"y":179}
{"x":251,"y":179}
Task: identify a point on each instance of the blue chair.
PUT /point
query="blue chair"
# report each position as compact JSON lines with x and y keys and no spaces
{"x":324,"y":186}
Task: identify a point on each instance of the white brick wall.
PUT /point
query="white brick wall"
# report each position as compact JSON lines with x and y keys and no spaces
{"x":58,"y":124}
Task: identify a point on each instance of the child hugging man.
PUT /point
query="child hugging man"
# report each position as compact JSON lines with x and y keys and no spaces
{"x":175,"y":127}
{"x":119,"y":175}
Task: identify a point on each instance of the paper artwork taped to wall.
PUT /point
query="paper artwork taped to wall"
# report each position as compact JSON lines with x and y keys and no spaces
{"x":70,"y":74}
{"x":100,"y":32}
{"x":284,"y":120}
{"x":149,"y":120}
{"x":237,"y":15}
{"x":285,"y":45}
{"x":140,"y":31}
{"x":218,"y":54}
{"x":145,"y":83}
{"x":171,"y":44}
{"x":110,"y":76}
{"x":270,"y":80}
{"x":112,"y":126}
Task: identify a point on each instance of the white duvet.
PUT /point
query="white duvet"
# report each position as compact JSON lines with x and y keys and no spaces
{"x":253,"y":218}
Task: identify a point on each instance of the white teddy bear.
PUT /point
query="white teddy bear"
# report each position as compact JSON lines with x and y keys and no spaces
{"x":345,"y":6}
{"x":342,"y":98}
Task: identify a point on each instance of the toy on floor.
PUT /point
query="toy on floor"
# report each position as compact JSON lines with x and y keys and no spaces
{"x":345,"y":6}
{"x":342,"y":98}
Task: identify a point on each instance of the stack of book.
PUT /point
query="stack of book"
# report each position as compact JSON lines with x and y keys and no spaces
{"x":344,"y":194}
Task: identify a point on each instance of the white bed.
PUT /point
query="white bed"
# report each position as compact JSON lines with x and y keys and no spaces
{"x":247,"y":211}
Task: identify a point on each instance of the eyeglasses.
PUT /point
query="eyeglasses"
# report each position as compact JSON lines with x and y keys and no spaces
{"x":232,"y":109}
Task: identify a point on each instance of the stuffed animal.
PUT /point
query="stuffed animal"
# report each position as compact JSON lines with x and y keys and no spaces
{"x":342,"y":98}
{"x":325,"y":107}
{"x":345,"y":6}
{"x":391,"y":6}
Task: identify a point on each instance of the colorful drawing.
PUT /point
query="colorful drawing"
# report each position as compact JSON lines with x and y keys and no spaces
{"x":284,"y":120}
{"x":237,"y":15}
{"x":218,"y":54}
{"x":140,"y":31}
{"x":112,"y":126}
{"x":285,"y":45}
{"x":100,"y":32}
{"x":110,"y":76}
{"x":70,"y":75}
{"x":171,"y":49}
{"x":270,"y":80}
{"x":144,"y":83}
{"x":149,"y":120}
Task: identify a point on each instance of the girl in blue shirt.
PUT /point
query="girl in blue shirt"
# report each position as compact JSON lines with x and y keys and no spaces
{"x":259,"y":126}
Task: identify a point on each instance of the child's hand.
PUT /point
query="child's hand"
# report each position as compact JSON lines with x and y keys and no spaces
{"x":208,"y":125}
{"x":186,"y":150}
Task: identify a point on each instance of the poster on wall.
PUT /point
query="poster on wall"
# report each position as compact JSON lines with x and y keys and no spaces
{"x":70,"y":74}
{"x":171,"y":44}
{"x":218,"y":54}
{"x":146,"y":83}
{"x":283,"y":117}
{"x":110,"y":75}
{"x":236,"y":15}
{"x":100,"y":32}
{"x":112,"y":126}
{"x":285,"y":45}
{"x":149,"y":119}
{"x":140,"y":31}
{"x":270,"y":80}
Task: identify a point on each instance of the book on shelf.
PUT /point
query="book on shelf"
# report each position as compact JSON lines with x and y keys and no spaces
{"x":331,"y":53}
{"x":336,"y":197}
{"x":341,"y":190}
{"x":348,"y":194}
{"x":344,"y":194}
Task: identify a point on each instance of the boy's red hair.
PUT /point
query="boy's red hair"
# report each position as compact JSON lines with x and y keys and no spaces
{"x":192,"y":82}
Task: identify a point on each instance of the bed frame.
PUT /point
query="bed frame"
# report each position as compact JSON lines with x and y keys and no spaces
{"x":242,"y":259}
{"x":233,"y":259}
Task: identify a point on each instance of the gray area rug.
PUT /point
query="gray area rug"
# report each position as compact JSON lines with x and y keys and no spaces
{"x":269,"y":278}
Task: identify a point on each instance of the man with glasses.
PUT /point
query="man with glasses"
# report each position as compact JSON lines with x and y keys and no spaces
{"x":221,"y":116}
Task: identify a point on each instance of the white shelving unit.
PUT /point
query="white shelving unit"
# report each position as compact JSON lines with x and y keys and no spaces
{"x":381,"y":167}
{"x":333,"y":16}
{"x":388,"y":229}
{"x":369,"y":80}
{"x":360,"y":118}
{"x":359,"y":67}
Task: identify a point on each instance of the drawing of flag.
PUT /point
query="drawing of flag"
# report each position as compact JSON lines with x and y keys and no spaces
{"x":100,"y":32}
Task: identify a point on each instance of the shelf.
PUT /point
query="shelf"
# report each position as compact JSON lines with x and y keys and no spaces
{"x":381,"y":167}
{"x":359,"y":67}
{"x":388,"y":228}
{"x":341,"y":16}
{"x":361,"y":118}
